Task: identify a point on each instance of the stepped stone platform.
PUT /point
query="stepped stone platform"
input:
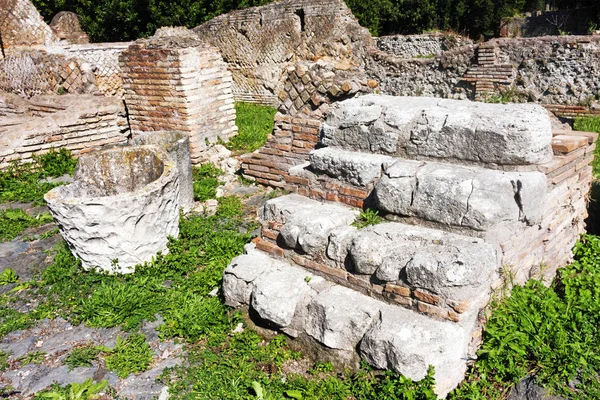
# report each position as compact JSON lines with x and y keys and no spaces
{"x":473,"y":195}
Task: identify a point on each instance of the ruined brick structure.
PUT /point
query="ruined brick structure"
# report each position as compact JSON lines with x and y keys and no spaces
{"x":173,"y":81}
{"x":556,"y":71}
{"x":260,"y":42}
{"x":66,"y":27}
{"x":22,"y":25}
{"x":470,"y":205}
{"x":80,"y":123}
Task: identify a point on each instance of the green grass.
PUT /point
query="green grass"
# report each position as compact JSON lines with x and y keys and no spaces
{"x":21,"y":182}
{"x":206,"y":181}
{"x":254,"y":122}
{"x":130,"y":356}
{"x":82,"y":357}
{"x":590,"y":124}
{"x":13,"y":221}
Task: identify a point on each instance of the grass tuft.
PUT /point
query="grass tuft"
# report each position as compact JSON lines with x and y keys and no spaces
{"x":255,"y":122}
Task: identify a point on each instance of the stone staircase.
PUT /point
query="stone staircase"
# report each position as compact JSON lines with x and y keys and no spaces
{"x":467,"y":191}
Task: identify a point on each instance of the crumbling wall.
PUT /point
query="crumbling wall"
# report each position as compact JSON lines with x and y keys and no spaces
{"x":258,"y":43}
{"x":173,"y":81}
{"x":556,"y":71}
{"x":35,"y":72}
{"x":66,"y":27}
{"x":102,"y":59}
{"x":80,"y":123}
{"x":22,"y":25}
{"x":421,"y":46}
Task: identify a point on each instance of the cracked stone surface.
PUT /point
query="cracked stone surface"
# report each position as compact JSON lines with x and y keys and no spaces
{"x":511,"y":134}
{"x":304,"y":228}
{"x":122,"y":206}
{"x":459,"y":267}
{"x":471,"y":197}
{"x":56,"y":338}
{"x":341,"y":319}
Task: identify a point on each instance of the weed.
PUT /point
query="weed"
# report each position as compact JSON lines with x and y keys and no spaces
{"x":116,"y":302}
{"x":206,"y":182}
{"x":4,"y":360}
{"x":24,"y":182}
{"x":367,"y":217}
{"x":13,"y":221}
{"x":8,"y":276}
{"x":82,"y":357}
{"x":130,"y":356}
{"x":590,"y":124}
{"x":35,"y":357}
{"x":277,"y":193}
{"x":230,"y":207}
{"x":88,"y":390}
{"x":255,"y":123}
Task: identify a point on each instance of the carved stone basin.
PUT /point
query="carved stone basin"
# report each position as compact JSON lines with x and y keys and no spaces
{"x":120,"y":209}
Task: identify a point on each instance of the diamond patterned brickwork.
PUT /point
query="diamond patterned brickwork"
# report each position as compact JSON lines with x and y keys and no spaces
{"x":22,"y":25}
{"x":259,"y":43}
{"x":37,"y":72}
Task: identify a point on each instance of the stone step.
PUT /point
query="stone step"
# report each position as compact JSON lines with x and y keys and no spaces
{"x":463,"y":196}
{"x":506,"y":134}
{"x":347,"y":324}
{"x":442,"y":274}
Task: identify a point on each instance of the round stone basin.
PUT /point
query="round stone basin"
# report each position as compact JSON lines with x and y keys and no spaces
{"x":120,"y":209}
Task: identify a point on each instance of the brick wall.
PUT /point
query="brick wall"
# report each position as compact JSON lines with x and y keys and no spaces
{"x":22,"y":25}
{"x":258,"y":43}
{"x":177,"y":82}
{"x":80,"y":123}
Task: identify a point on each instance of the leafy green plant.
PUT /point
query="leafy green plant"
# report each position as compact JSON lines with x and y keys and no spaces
{"x":82,"y":357}
{"x":8,"y":276}
{"x":130,"y":356}
{"x":35,"y":357}
{"x":230,"y":207}
{"x":13,"y":221}
{"x":88,"y":390}
{"x":4,"y":360}
{"x":206,"y":182}
{"x":255,"y":123}
{"x":367,"y":217}
{"x":123,"y":303}
{"x":25,"y":182}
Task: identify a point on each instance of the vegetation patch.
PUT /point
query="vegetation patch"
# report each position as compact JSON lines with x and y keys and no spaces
{"x":130,"y":356}
{"x":255,"y":123}
{"x":547,"y":332}
{"x":590,"y":124}
{"x":88,"y":390}
{"x":206,"y":181}
{"x":366,"y":218}
{"x":26,"y":182}
{"x":13,"y":221}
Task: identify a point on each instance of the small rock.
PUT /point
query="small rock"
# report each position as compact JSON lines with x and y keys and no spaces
{"x":239,"y":328}
{"x":210,"y":207}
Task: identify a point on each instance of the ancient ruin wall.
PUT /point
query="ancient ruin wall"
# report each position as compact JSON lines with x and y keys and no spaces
{"x":22,"y":25}
{"x":258,"y":43}
{"x":80,"y":123}
{"x":557,"y":71}
{"x":421,"y":46}
{"x":173,"y":81}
